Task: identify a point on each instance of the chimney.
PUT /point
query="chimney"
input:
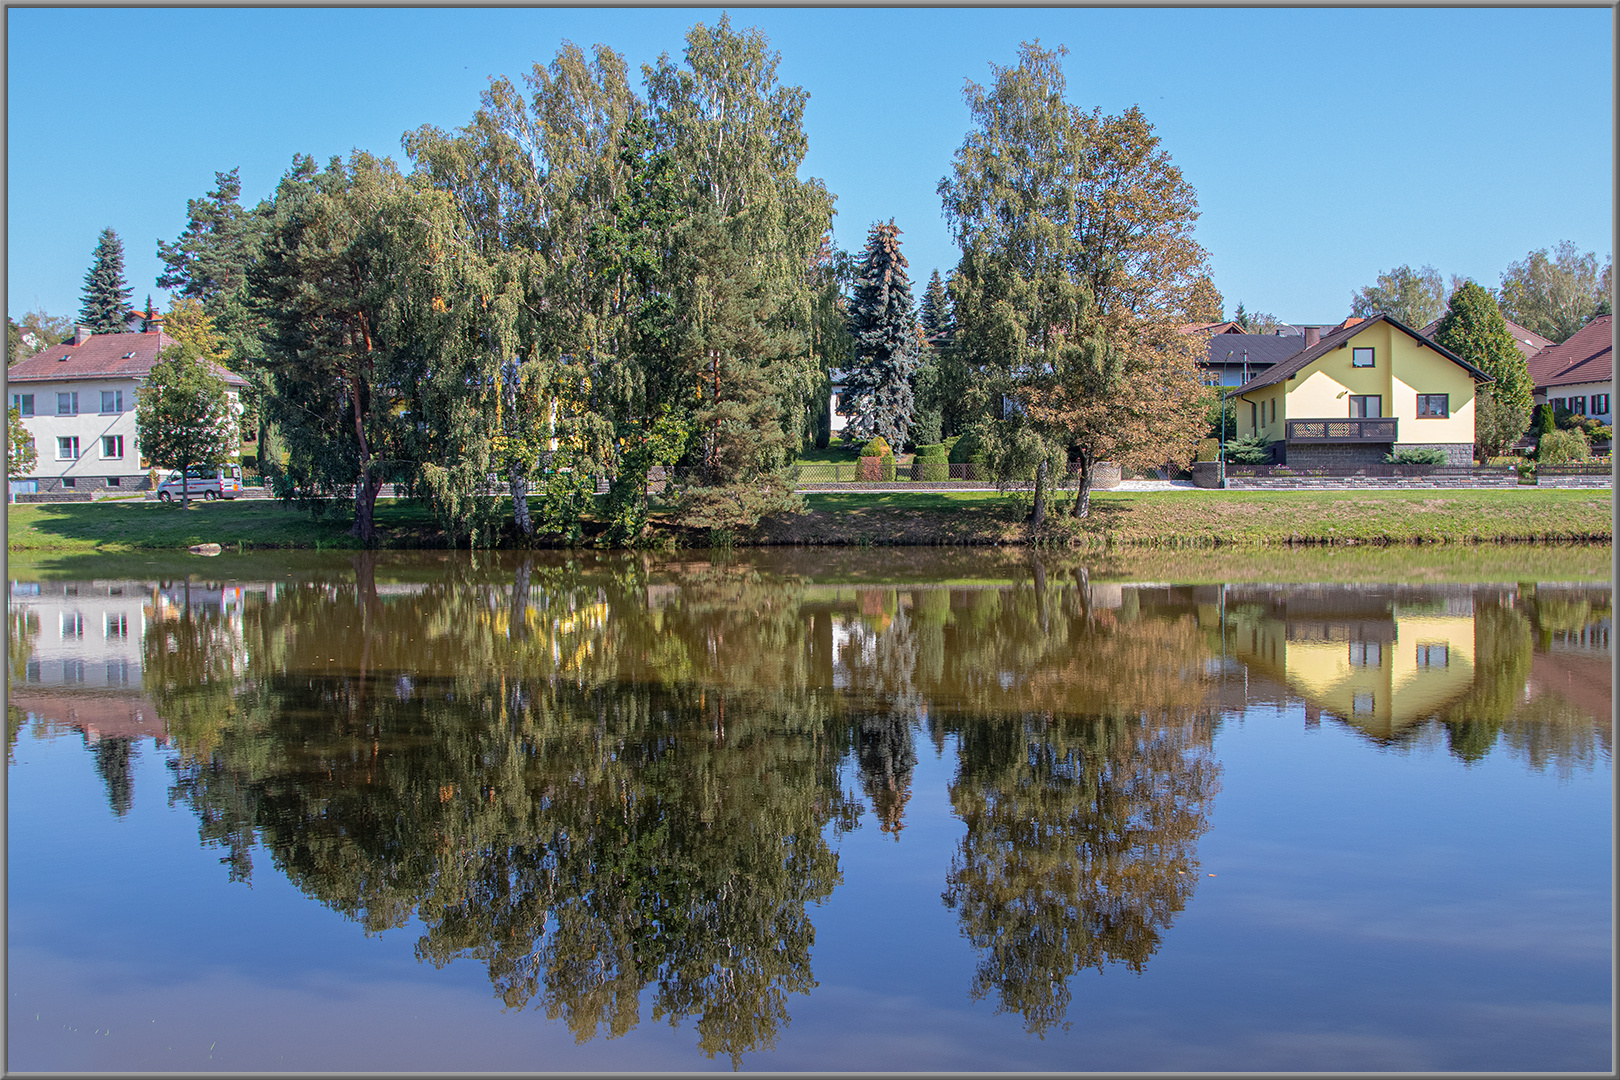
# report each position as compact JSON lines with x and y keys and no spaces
{"x":81,"y":334}
{"x":154,"y":324}
{"x":1313,"y":334}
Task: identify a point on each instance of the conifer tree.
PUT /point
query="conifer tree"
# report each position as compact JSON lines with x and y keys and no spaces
{"x":878,"y":394}
{"x":106,"y":293}
{"x":1474,"y":329}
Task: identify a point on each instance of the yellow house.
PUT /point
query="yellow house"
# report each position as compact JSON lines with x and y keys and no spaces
{"x":1360,"y":392}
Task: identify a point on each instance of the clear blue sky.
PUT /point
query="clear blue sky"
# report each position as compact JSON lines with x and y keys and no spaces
{"x":1325,"y":145}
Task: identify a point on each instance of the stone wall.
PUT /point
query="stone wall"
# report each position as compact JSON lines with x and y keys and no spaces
{"x":1459,"y":454}
{"x":52,"y":497}
{"x":1274,"y":483}
{"x":86,"y":484}
{"x":1332,"y":455}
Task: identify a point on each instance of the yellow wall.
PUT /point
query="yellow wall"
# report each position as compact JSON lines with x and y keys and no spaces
{"x":1402,"y":370}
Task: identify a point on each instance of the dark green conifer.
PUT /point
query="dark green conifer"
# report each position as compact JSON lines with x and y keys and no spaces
{"x":106,"y":293}
{"x":877,"y":390}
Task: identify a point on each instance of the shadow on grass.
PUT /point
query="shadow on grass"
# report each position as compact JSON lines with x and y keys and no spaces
{"x":248,"y":525}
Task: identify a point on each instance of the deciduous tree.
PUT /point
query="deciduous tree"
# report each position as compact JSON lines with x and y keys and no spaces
{"x":183,"y":414}
{"x":1556,"y":293}
{"x":1414,"y":297}
{"x":21,"y":455}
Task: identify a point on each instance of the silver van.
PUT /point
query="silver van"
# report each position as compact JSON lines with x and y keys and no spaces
{"x":204,"y":482}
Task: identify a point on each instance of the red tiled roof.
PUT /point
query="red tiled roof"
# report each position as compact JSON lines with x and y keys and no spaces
{"x":1587,"y":356}
{"x":102,"y":356}
{"x":1210,"y":328}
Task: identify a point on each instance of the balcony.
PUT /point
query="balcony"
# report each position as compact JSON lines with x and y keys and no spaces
{"x":1373,"y":430}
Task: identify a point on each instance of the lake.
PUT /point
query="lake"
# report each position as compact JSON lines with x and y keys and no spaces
{"x":856,"y":809}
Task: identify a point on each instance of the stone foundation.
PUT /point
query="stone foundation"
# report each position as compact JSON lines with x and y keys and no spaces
{"x":96,"y":484}
{"x":1459,"y":454}
{"x":1332,"y":455}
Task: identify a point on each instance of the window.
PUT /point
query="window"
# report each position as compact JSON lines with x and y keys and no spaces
{"x":1254,"y":421}
{"x":1366,"y":654}
{"x":1362,"y":703}
{"x":24,"y":403}
{"x":1361,"y":358}
{"x":1433,"y":656}
{"x":112,"y":401}
{"x":1577,"y":405}
{"x":70,"y":482}
{"x":72,"y":625}
{"x":118,"y":626}
{"x":1366,"y":406}
{"x":67,"y":404}
{"x":1557,"y":403}
{"x":115,"y":481}
{"x":112,"y":446}
{"x":1273,"y":410}
{"x":1600,"y":404}
{"x":67,"y":447}
{"x":118,"y":673}
{"x":1434,"y":405}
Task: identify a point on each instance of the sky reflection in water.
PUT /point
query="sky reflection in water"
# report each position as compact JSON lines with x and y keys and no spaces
{"x":770,"y":813}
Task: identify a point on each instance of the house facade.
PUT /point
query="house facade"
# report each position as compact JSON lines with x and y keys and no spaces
{"x":1578,"y":373}
{"x":1361,"y":392}
{"x":77,"y":401}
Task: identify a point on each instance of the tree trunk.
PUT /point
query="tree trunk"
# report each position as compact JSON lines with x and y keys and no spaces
{"x":1037,"y":516}
{"x":520,"y":500}
{"x":365,"y":508}
{"x":1082,"y":493}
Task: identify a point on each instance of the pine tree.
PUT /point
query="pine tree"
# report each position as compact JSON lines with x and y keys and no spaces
{"x":1474,"y":329}
{"x":106,"y":293}
{"x":878,"y":395}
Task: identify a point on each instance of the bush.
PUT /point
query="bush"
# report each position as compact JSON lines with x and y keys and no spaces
{"x":934,"y":453}
{"x":969,"y":450}
{"x":887,"y":466}
{"x":1563,"y":448}
{"x":877,"y":448}
{"x":1249,"y":450}
{"x":930,"y":470}
{"x":1417,"y":455}
{"x":1209,"y":450}
{"x":1546,"y":420}
{"x":870,"y":470}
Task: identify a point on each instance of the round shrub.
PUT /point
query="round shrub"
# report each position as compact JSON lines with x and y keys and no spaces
{"x":887,"y":466}
{"x":933,"y":453}
{"x":1417,"y":455}
{"x":878,"y":447}
{"x":969,"y":450}
{"x":1562,"y":448}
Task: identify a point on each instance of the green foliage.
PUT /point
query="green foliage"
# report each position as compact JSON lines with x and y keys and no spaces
{"x":886,"y":466}
{"x":1208,"y":450}
{"x":183,"y":416}
{"x":1546,"y":420}
{"x":1417,"y":455}
{"x":21,"y":455}
{"x":1556,"y":293}
{"x":209,"y":263}
{"x":1414,"y":297}
{"x":1255,"y":322}
{"x":1474,"y":329}
{"x":1251,"y":449}
{"x":36,"y":332}
{"x":969,"y":448}
{"x":935,"y":453}
{"x":876,"y":446}
{"x":1563,"y":448}
{"x":662,"y":443}
{"x":106,"y":294}
{"x":878,"y":393}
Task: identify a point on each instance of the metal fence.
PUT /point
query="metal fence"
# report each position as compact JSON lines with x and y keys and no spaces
{"x":1369,"y":470}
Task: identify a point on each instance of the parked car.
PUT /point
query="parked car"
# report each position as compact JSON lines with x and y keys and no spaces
{"x":204,"y":482}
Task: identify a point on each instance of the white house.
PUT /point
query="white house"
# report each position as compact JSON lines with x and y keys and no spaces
{"x":1578,"y":374}
{"x":77,"y":401}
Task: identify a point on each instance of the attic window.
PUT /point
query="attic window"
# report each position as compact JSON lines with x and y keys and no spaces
{"x":64,"y":356}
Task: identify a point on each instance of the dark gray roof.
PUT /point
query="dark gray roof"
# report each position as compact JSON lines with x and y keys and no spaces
{"x":1263,"y":349}
{"x":1281,"y":371}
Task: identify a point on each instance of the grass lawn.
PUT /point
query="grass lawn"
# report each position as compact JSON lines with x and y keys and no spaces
{"x":1148,"y":518}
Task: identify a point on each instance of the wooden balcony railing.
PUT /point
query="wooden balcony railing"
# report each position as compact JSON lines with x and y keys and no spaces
{"x":1380,"y":430}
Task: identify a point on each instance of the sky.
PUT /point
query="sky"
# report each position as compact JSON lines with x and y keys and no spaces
{"x":1326,"y":145}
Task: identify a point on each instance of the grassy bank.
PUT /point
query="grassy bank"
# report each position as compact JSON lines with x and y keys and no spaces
{"x":1117,"y":519}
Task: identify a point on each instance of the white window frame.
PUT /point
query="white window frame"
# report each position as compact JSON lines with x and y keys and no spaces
{"x":67,"y":403}
{"x":24,"y":403}
{"x":117,"y":443}
{"x":67,"y":442}
{"x":117,"y":402}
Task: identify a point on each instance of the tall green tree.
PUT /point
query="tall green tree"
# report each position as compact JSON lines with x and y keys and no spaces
{"x":1414,"y":297}
{"x":1474,"y":329}
{"x":745,"y":303}
{"x":105,"y":299}
{"x":209,"y":262}
{"x":877,"y":387}
{"x":39,"y":330}
{"x":1077,"y":263}
{"x":1555,"y":293}
{"x":183,"y":413}
{"x":940,"y":381}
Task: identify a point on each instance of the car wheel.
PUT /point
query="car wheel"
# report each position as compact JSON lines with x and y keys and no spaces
{"x":210,"y":496}
{"x":164,"y":496}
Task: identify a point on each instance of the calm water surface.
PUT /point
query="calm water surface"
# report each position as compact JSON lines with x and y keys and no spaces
{"x":806,"y":811}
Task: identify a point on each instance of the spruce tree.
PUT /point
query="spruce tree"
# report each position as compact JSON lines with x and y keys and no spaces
{"x":106,"y":293}
{"x":1474,"y":329}
{"x":878,"y":395}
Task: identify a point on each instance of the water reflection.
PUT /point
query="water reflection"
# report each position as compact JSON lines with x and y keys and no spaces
{"x":603,"y":776}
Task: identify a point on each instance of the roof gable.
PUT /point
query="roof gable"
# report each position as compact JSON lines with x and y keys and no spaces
{"x":101,"y":356}
{"x":1586,"y":356}
{"x":1341,"y":335}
